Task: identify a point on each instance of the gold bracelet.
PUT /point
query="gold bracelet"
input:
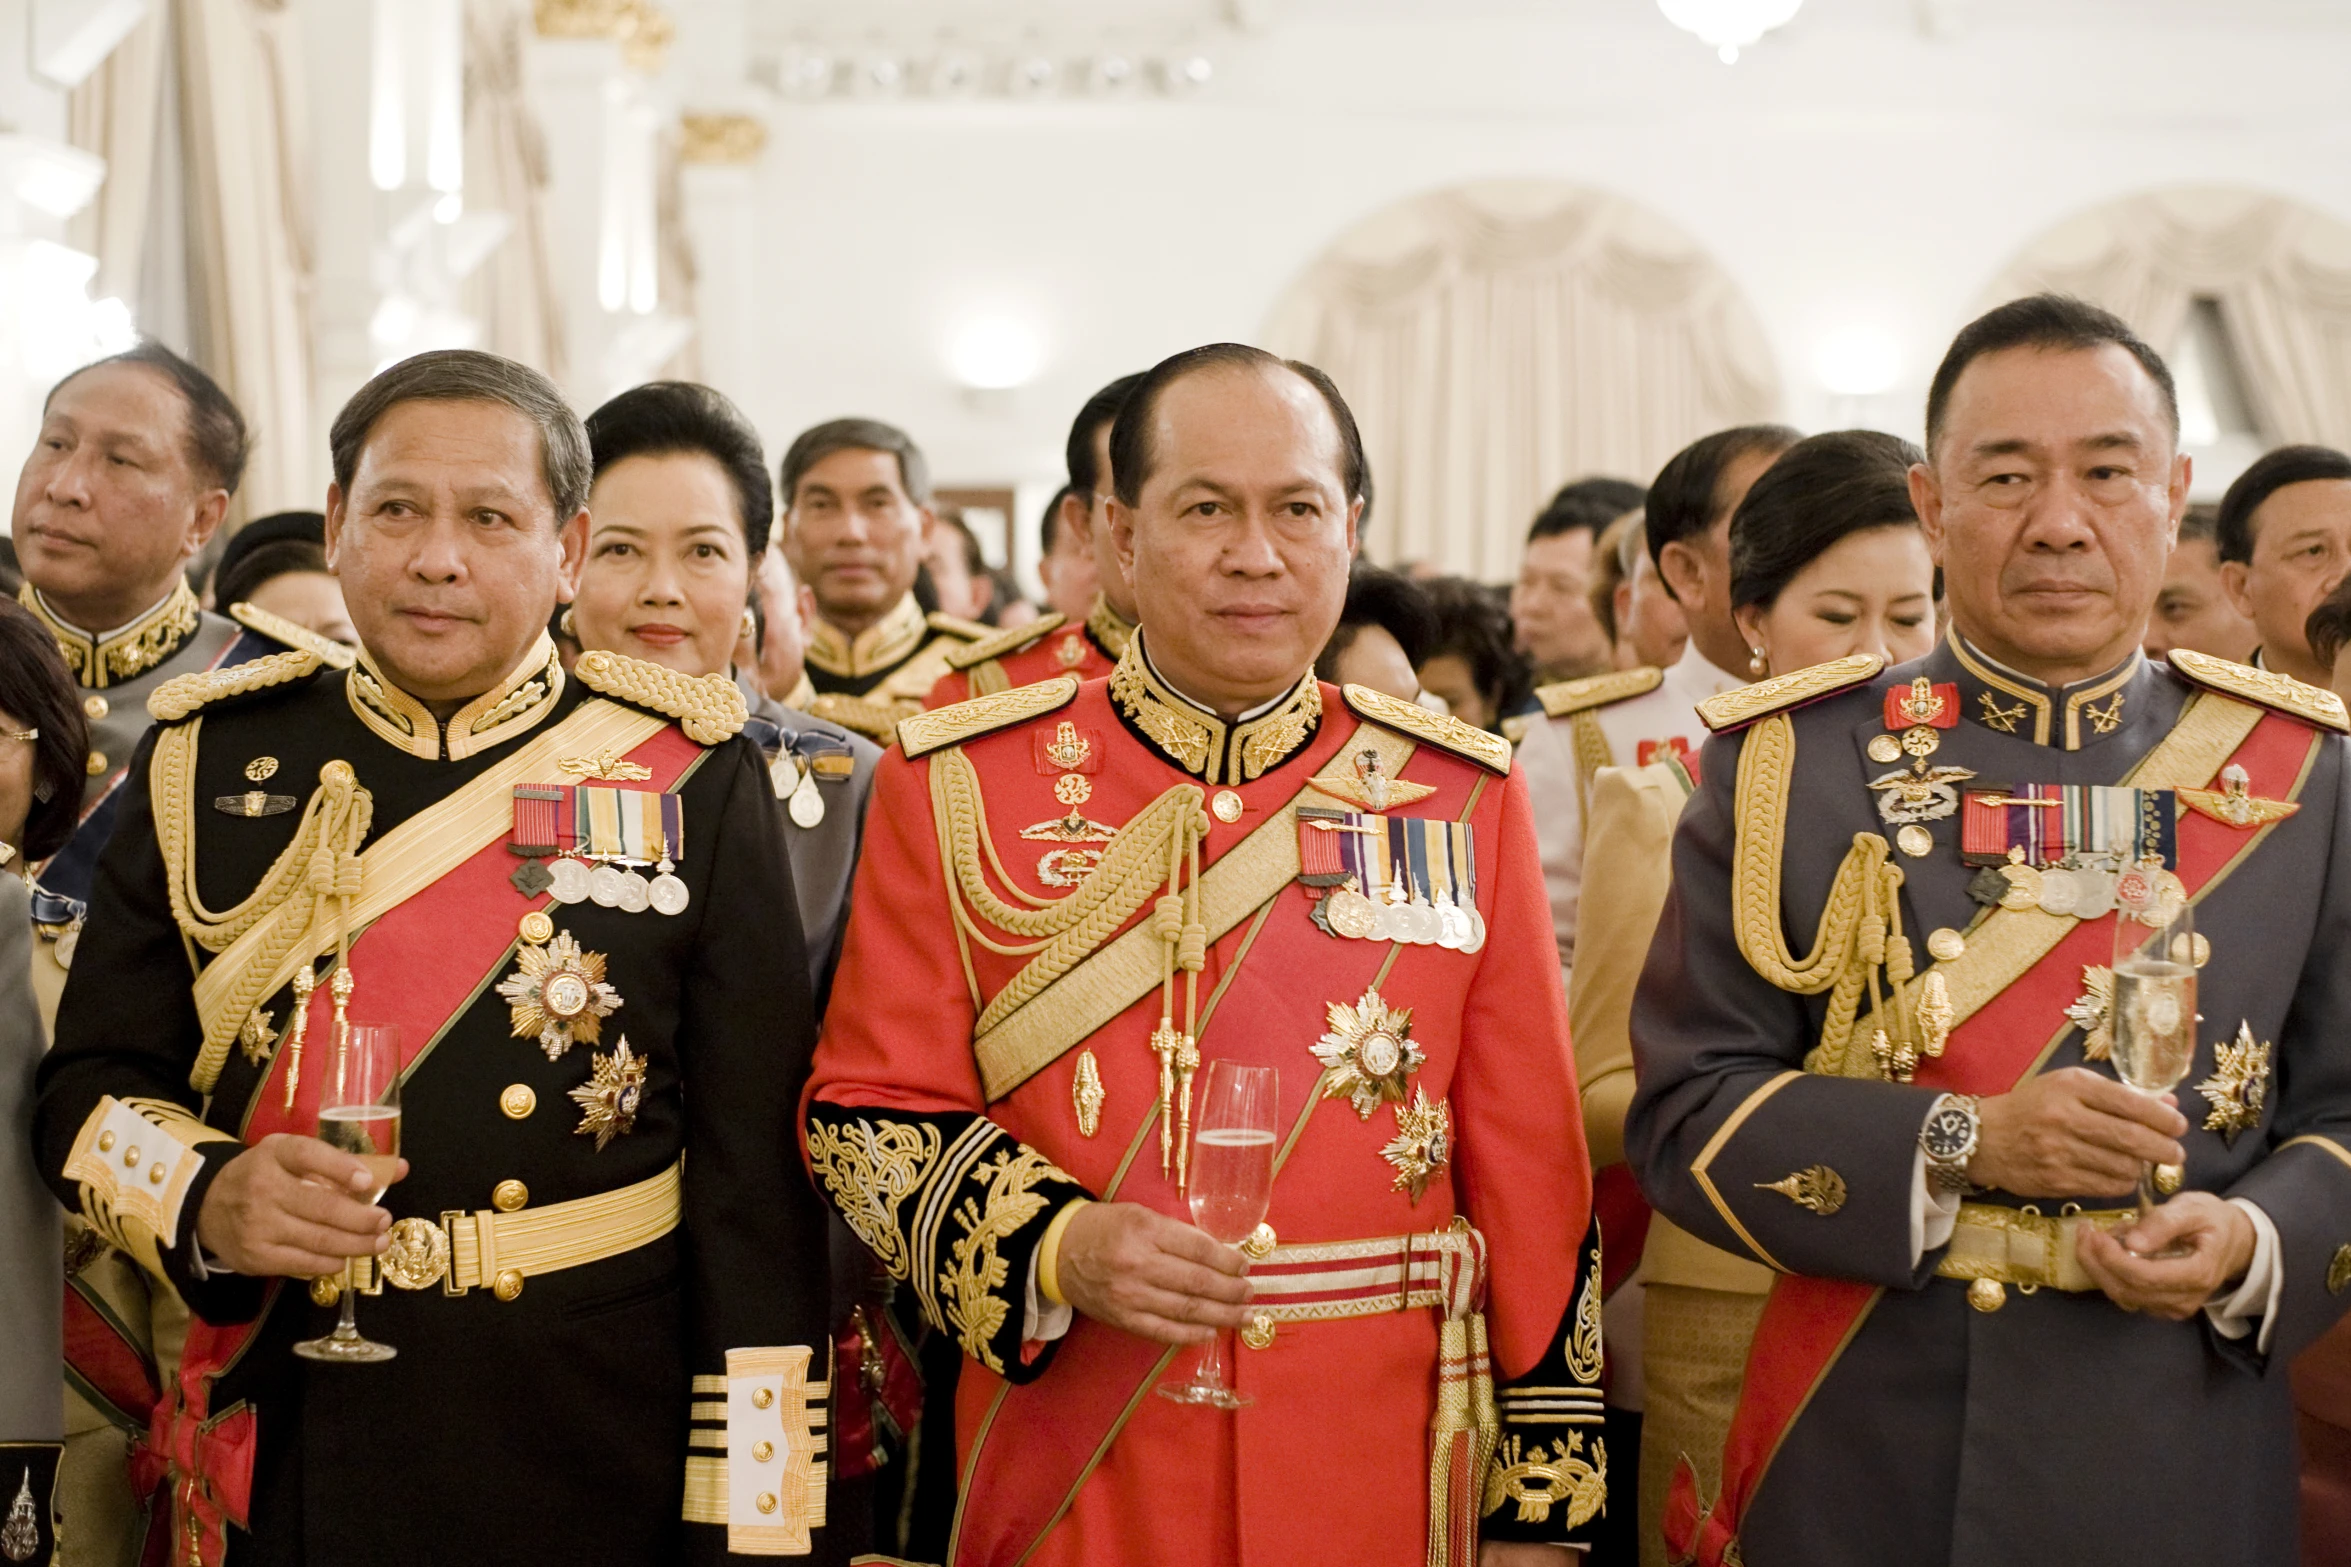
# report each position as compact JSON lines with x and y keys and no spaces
{"x":1049,"y":1250}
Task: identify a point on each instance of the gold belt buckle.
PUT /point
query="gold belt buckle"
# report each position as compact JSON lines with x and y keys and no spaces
{"x":418,"y":1257}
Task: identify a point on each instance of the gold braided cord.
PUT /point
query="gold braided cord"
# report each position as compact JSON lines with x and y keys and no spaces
{"x":708,"y":708}
{"x":181,"y":695}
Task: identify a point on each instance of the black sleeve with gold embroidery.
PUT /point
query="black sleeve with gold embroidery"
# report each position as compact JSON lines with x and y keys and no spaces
{"x":951,"y":1204}
{"x":1548,"y":1479}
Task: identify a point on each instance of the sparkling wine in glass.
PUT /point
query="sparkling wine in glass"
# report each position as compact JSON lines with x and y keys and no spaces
{"x":2154,"y":1009}
{"x":1231,"y":1184}
{"x":359,"y":1114}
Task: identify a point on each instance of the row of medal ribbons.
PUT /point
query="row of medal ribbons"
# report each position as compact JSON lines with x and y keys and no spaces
{"x":619,"y":829}
{"x":1392,"y":878}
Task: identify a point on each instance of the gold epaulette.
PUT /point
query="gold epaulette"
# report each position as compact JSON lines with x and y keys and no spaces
{"x":2263,"y":688}
{"x":1563,"y":697}
{"x":1489,"y":751}
{"x":961,"y":721}
{"x":1012,"y":639}
{"x":278,"y":628}
{"x":707,"y":707}
{"x":1514,"y":728}
{"x":1737,"y":709}
{"x":957,"y":626}
{"x":182,"y":695}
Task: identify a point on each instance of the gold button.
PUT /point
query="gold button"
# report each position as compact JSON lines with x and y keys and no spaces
{"x":261,"y":768}
{"x":1915,"y":841}
{"x":325,"y":1292}
{"x":761,"y":1452}
{"x":508,"y":1284}
{"x":2168,"y":1178}
{"x":95,"y":706}
{"x":1259,"y":1243}
{"x":1227,"y":806}
{"x":155,"y":1173}
{"x":130,"y":1158}
{"x":1947,"y":945}
{"x":507,"y":1196}
{"x":518,"y":1101}
{"x":106,"y":1142}
{"x":96,"y":765}
{"x":1885,"y":748}
{"x":762,"y":1397}
{"x":767,"y":1501}
{"x":1987,"y":1294}
{"x":537,"y":927}
{"x":1259,"y":1333}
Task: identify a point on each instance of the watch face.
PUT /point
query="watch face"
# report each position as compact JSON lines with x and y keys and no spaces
{"x":1948,"y":1132}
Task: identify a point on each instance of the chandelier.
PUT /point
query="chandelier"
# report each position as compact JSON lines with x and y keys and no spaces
{"x":1729,"y":25}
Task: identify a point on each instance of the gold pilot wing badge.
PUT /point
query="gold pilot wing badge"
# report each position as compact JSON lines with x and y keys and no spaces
{"x":1368,"y":787}
{"x":1368,"y":1055}
{"x":558,"y":993}
{"x":2235,"y":803}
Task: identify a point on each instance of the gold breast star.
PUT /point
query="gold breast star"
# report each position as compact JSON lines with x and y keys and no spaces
{"x":558,"y":993}
{"x":2093,"y":1012}
{"x":1368,"y":1053}
{"x":257,"y":1037}
{"x":2238,"y":1086}
{"x":608,"y":1100}
{"x":1423,"y":1143}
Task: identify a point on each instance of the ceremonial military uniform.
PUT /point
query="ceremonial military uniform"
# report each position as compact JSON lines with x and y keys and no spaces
{"x":870,"y":681}
{"x":823,"y":775}
{"x":1344,"y":890}
{"x":31,"y":1414}
{"x":605,"y":1352}
{"x":1934,"y":1379}
{"x":1024,"y":655}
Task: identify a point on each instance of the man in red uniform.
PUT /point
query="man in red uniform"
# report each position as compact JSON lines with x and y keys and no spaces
{"x":1074,"y":897}
{"x":1050,"y":645}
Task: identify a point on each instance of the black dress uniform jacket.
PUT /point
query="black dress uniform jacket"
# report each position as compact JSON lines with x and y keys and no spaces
{"x":552,"y":1426}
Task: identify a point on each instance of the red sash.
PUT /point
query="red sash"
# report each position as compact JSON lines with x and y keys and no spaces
{"x":1808,"y":1321}
{"x":415,"y":968}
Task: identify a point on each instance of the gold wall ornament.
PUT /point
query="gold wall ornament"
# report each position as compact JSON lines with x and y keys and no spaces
{"x":2239,"y":1085}
{"x":1995,"y":716}
{"x":721,"y":138}
{"x":2339,"y":1271}
{"x":1816,"y":1188}
{"x":1540,"y":1476}
{"x":2093,"y":1012}
{"x":870,"y":1168}
{"x":558,"y":993}
{"x":609,"y":1099}
{"x":1367,"y":1055}
{"x":1086,"y":1094}
{"x":1423,"y":1143}
{"x":2234,"y":803}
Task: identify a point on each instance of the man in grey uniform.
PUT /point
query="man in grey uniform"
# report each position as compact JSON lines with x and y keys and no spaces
{"x":1977,"y":1352}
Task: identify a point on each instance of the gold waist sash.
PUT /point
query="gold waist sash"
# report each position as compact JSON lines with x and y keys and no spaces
{"x":2022,"y":1246}
{"x":465,"y":1251}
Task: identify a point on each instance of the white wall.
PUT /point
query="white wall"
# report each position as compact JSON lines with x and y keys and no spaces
{"x":1851,"y":171}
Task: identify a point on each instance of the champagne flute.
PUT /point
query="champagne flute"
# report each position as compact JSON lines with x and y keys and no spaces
{"x":359,"y":1114}
{"x":2154,"y":1008}
{"x":1231,"y":1184}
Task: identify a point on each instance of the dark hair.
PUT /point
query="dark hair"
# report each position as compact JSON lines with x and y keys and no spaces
{"x":1821,"y":489}
{"x":230,"y":571}
{"x":1590,"y":504}
{"x":2200,"y":521}
{"x":218,"y":443}
{"x":2053,"y":322}
{"x":665,"y":418}
{"x":39,"y":693}
{"x":1685,"y":498}
{"x":1099,"y":410}
{"x":1474,"y":623}
{"x":975,"y":559}
{"x":454,"y":375}
{"x":2270,"y":473}
{"x":1049,"y":525}
{"x":239,"y":580}
{"x":1130,"y":435}
{"x":814,"y":444}
{"x":1386,"y":599}
{"x":2329,"y":625}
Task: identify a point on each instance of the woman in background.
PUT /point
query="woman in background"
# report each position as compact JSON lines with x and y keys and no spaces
{"x":278,"y":566}
{"x":1472,"y":664}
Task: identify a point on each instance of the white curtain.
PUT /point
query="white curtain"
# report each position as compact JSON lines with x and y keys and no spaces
{"x":506,"y":170}
{"x":1495,"y":341}
{"x":2279,"y":272}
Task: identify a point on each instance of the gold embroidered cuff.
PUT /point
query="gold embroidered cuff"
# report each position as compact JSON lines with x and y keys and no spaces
{"x":135,"y":1160}
{"x":768,"y":1491}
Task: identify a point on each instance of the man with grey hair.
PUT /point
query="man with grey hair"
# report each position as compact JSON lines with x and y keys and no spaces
{"x":857,"y":522}
{"x":580,"y":1317}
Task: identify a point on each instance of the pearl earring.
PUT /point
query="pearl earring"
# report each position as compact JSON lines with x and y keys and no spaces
{"x":1758,"y":664}
{"x":750,"y":622}
{"x":568,"y":626}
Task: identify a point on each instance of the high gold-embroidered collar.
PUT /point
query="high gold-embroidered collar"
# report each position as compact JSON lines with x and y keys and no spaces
{"x":2016,"y":704}
{"x":883,"y":645}
{"x":1203,"y":744}
{"x":509,"y":708}
{"x":1110,"y":630}
{"x":128,"y":652}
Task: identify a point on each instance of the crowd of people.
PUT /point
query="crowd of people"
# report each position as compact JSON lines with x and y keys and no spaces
{"x":1700,"y":1088}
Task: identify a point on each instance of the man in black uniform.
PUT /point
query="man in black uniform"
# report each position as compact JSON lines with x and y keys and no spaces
{"x":598,"y":1344}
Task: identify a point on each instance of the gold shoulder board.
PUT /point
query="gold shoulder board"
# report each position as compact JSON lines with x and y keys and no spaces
{"x":1489,"y":751}
{"x":707,"y":707}
{"x":1575,"y":696}
{"x":2262,"y":687}
{"x":957,"y":626}
{"x":278,"y":628}
{"x":961,"y":721}
{"x":182,"y":695}
{"x":1012,"y":639}
{"x":1514,"y":728}
{"x":1737,"y":709}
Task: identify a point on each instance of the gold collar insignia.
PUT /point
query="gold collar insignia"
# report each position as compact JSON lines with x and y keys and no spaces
{"x":98,"y":662}
{"x":879,"y":647}
{"x":1110,"y":630}
{"x":509,"y":708}
{"x":1203,"y":744}
{"x":2097,"y":703}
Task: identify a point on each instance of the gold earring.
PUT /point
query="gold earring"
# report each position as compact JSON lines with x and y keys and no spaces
{"x":750,"y":622}
{"x":567,"y":625}
{"x":1758,"y":664}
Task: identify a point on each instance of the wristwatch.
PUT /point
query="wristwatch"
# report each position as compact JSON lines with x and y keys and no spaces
{"x":1949,"y":1138}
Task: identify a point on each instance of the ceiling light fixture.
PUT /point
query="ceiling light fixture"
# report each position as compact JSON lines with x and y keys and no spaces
{"x":1729,"y":25}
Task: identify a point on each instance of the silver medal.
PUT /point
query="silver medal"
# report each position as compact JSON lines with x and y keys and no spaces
{"x":784,"y":772}
{"x":669,"y":894}
{"x":571,"y":881}
{"x":1477,"y":930}
{"x":2061,"y":891}
{"x":604,"y":886}
{"x":2097,"y":896}
{"x":636,"y":894}
{"x":807,"y":805}
{"x":1452,"y":926}
{"x":1422,"y":925}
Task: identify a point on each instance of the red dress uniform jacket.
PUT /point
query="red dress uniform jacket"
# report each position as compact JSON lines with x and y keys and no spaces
{"x":952,"y":1164}
{"x":1044,"y":649}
